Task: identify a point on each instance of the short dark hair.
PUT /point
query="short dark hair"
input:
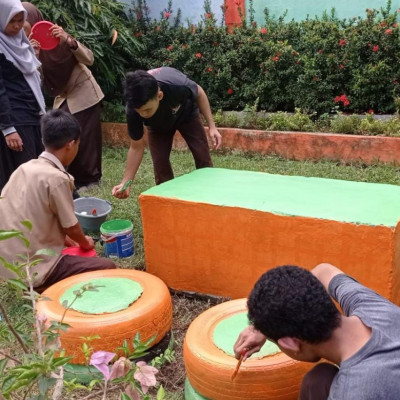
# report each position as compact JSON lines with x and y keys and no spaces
{"x":58,"y":128}
{"x":289,"y":301}
{"x":139,"y":88}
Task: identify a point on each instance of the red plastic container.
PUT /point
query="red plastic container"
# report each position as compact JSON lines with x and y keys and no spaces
{"x":77,"y":251}
{"x":42,"y":33}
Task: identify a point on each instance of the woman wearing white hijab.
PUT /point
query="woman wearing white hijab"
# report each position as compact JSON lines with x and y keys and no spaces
{"x":21,"y":99}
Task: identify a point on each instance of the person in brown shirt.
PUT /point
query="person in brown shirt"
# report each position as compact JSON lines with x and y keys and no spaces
{"x":66,"y":77}
{"x":41,"y":191}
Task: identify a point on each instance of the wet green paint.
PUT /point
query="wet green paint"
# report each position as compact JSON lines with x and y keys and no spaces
{"x":227,"y":331}
{"x":111,"y":295}
{"x":331,"y":199}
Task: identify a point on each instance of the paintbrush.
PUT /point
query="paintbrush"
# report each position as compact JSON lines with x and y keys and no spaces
{"x":235,"y":372}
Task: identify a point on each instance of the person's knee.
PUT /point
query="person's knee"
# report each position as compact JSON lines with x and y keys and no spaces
{"x":106,"y":263}
{"x":317,"y":382}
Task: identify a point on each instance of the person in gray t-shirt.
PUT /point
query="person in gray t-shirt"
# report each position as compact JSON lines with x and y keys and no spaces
{"x":292,"y":307}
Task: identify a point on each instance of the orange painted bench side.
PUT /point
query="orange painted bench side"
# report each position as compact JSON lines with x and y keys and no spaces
{"x":223,"y":250}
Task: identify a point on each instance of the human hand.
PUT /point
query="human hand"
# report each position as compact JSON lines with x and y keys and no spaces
{"x":88,"y":245}
{"x":14,"y":141}
{"x":215,"y":137}
{"x":249,"y":340}
{"x":35,"y":44}
{"x":116,"y":191}
{"x":59,"y":33}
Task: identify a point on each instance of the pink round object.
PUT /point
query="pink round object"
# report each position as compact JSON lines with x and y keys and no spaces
{"x":77,"y":251}
{"x":42,"y":33}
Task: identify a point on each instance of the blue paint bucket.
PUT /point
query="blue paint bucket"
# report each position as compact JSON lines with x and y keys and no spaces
{"x":117,"y":238}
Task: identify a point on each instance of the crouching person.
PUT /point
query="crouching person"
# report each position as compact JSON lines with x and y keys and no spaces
{"x":40,"y":191}
{"x":293,"y":307}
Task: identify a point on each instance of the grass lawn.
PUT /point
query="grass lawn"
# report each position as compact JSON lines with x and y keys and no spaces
{"x":186,"y":309}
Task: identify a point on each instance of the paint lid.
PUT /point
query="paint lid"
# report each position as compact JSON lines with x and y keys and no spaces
{"x":42,"y":33}
{"x":77,"y":251}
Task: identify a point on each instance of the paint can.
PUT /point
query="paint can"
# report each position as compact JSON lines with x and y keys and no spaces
{"x":117,"y":238}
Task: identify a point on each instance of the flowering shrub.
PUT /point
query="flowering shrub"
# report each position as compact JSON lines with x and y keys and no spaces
{"x":285,"y":65}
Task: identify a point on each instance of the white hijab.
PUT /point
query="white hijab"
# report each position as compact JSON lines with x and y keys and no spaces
{"x":18,"y":50}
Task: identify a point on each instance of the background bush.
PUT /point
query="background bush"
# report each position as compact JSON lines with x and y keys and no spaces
{"x":319,"y":65}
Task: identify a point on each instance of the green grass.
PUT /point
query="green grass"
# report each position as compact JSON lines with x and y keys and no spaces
{"x":113,"y":168}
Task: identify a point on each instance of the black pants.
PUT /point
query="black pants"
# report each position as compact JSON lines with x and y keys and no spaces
{"x":10,"y":160}
{"x":160,"y":144}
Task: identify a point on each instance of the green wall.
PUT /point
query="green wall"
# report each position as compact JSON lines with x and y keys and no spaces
{"x":299,"y":9}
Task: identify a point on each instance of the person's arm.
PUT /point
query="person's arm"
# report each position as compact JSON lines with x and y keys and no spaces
{"x":205,"y":109}
{"x":325,"y":273}
{"x":81,"y":53}
{"x":133,"y":161}
{"x":76,"y":234}
{"x":13,"y":140}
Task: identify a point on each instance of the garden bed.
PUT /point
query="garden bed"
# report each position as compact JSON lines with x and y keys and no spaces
{"x":289,"y":145}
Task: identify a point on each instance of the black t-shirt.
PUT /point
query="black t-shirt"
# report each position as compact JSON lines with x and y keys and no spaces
{"x":18,"y":104}
{"x":178,"y":104}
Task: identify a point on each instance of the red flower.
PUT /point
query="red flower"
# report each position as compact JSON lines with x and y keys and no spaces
{"x":170,"y":47}
{"x":342,"y":99}
{"x":320,"y":51}
{"x":341,"y":66}
{"x":208,"y":15}
{"x":237,"y":2}
{"x":199,"y":55}
{"x":371,"y":111}
{"x":209,"y":69}
{"x":229,"y":91}
{"x":388,"y":31}
{"x":342,"y":42}
{"x":395,"y":25}
{"x":315,"y":78}
{"x":263,"y":31}
{"x":375,"y":48}
{"x":276,"y":58}
{"x":167,"y":14}
{"x":396,"y":82}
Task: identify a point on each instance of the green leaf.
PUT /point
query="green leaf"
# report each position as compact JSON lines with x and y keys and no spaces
{"x":3,"y":364}
{"x":124,"y":396}
{"x":17,"y":284}
{"x":45,"y":384}
{"x":45,"y":252}
{"x":27,"y":224}
{"x":160,"y":393}
{"x":4,"y":235}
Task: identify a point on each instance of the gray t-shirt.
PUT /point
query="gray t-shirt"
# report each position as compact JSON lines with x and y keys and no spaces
{"x":373,"y":373}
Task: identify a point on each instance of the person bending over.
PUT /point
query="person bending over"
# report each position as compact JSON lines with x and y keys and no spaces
{"x":165,"y":100}
{"x":41,"y":191}
{"x":293,"y":308}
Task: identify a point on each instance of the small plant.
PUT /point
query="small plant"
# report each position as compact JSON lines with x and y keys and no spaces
{"x":39,"y":372}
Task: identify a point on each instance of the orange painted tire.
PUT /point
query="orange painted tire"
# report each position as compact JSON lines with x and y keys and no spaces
{"x":150,"y":315}
{"x":209,"y":369}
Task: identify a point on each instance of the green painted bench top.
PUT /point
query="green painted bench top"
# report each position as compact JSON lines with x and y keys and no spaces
{"x":337,"y":200}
